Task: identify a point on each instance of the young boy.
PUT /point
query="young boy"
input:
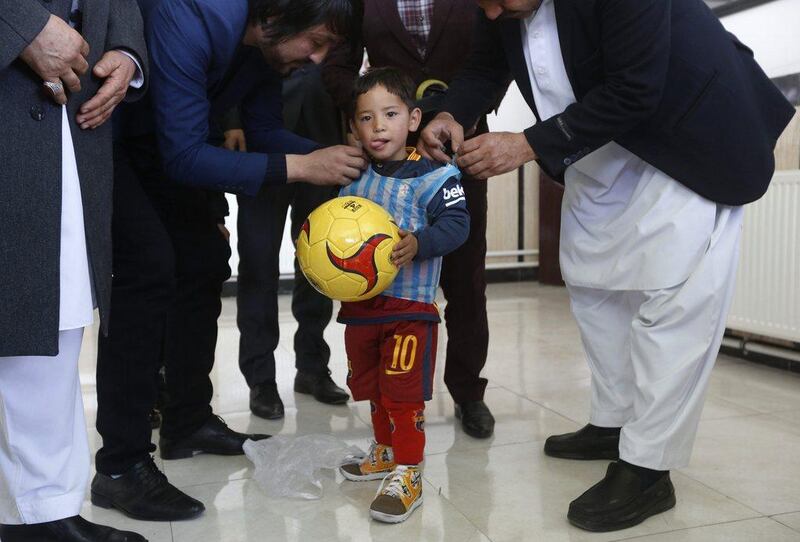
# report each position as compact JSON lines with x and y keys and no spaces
{"x":391,"y":339}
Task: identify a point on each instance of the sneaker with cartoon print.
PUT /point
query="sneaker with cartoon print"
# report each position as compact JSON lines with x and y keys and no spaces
{"x":397,"y":499}
{"x":375,"y":466}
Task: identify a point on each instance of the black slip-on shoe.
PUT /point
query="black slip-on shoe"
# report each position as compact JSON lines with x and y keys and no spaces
{"x":618,"y":501}
{"x":589,"y":442}
{"x":72,"y":529}
{"x":476,"y":419}
{"x":321,"y":386}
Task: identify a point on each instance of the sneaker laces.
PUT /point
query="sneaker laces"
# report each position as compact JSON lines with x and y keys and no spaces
{"x":395,"y":486}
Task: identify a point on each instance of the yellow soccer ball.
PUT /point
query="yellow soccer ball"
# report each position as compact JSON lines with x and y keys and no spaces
{"x":345,"y":247}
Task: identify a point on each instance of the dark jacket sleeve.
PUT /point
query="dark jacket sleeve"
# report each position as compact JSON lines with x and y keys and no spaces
{"x":340,"y":71}
{"x":126,"y":31}
{"x":635,"y":48}
{"x":261,"y":114}
{"x":232,"y":120}
{"x":484,"y":78}
{"x":180,"y":51}
{"x":449,"y":222}
{"x":20,"y":22}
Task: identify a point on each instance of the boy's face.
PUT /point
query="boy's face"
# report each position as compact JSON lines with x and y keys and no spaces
{"x":382,"y":122}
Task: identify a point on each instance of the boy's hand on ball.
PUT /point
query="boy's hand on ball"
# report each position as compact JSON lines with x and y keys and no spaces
{"x":405,"y":250}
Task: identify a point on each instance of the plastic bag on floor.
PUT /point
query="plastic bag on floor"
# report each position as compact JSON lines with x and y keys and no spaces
{"x":291,"y":466}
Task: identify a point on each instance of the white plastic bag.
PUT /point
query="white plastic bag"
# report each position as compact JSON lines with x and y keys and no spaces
{"x":290,"y":466}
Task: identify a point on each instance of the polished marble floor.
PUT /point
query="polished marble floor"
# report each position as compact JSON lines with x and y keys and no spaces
{"x":743,"y":483}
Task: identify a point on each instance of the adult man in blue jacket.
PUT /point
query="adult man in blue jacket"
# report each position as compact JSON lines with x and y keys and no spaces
{"x":661,"y":125}
{"x":170,"y":246}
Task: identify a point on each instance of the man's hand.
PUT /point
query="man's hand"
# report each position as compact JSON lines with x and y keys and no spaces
{"x":234,"y":140}
{"x":440,"y":130}
{"x":58,"y":54}
{"x":339,"y":165}
{"x":117,"y":69}
{"x":353,"y":142}
{"x":492,"y":154}
{"x":405,"y":250}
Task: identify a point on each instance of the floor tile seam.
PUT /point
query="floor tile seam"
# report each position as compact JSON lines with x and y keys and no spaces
{"x":682,"y":529}
{"x":757,"y":411}
{"x":475,"y":448}
{"x":775,"y":517}
{"x":718,"y":492}
{"x":784,"y":411}
{"x":731,"y":403}
{"x":457,"y":509}
{"x":733,"y":417}
{"x":548,"y":381}
{"x":203,"y":484}
{"x":537,"y":403}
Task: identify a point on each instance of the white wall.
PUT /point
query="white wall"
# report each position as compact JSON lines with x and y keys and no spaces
{"x":772,"y":30}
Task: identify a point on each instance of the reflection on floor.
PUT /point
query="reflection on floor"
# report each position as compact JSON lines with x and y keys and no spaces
{"x":743,"y":484}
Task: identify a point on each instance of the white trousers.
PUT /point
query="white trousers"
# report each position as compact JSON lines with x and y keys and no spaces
{"x":44,"y":448}
{"x":651,"y":352}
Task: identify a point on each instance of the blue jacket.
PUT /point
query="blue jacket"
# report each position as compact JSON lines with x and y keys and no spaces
{"x":199,"y":70}
{"x":660,"y":77}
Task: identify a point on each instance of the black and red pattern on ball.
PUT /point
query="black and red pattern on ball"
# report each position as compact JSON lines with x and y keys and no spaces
{"x":361,"y":263}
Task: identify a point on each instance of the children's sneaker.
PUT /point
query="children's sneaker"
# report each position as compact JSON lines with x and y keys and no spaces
{"x":398,"y":498}
{"x":378,"y":463}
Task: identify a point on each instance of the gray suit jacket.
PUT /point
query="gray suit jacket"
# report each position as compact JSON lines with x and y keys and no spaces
{"x":30,"y":170}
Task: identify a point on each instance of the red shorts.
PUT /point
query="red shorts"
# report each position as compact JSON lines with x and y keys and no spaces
{"x":394,"y":359}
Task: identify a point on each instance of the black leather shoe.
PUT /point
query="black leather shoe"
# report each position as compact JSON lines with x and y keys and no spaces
{"x":619,"y":501}
{"x":74,"y":529}
{"x":321,"y":386}
{"x":144,"y":493}
{"x":589,"y":442}
{"x":265,"y":401}
{"x":476,"y":419}
{"x":213,"y":437}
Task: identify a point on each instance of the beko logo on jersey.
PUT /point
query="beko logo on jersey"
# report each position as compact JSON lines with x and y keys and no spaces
{"x":453,"y":195}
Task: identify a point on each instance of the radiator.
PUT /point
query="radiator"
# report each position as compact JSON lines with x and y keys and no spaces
{"x":767,"y":298}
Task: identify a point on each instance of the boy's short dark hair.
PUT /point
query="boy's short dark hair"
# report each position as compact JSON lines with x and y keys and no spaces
{"x":282,"y":19}
{"x":392,"y":79}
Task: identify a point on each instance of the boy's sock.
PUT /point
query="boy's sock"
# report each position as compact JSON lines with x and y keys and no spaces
{"x":408,"y":430}
{"x":381,"y":426}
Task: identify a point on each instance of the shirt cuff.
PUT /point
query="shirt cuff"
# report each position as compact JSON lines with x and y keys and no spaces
{"x":138,"y":78}
{"x":276,"y":170}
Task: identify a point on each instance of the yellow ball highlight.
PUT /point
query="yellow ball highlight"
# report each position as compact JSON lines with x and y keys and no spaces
{"x":344,"y":248}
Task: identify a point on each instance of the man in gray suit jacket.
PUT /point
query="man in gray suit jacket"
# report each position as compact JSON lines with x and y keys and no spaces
{"x":59,"y":83}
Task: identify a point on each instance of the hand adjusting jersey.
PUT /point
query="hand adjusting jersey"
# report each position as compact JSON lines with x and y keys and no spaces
{"x":425,"y":198}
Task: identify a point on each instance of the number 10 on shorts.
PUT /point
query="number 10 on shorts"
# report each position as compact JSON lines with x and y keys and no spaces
{"x":405,"y":353}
